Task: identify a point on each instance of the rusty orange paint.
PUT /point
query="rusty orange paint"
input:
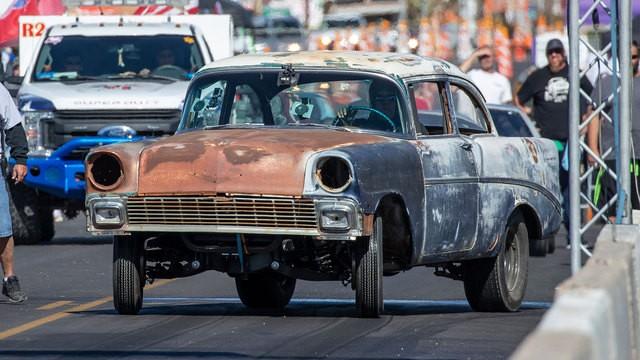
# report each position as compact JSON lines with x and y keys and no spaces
{"x":239,"y":161}
{"x":128,"y":154}
{"x":367,"y":224}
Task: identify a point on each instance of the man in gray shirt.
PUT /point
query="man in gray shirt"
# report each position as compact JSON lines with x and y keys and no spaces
{"x":604,"y":92}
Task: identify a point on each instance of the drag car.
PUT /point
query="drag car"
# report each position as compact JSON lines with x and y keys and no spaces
{"x":260,"y":184}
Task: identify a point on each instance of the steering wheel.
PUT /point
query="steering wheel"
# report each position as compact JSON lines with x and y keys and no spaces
{"x":352,"y":109}
{"x":170,"y":70}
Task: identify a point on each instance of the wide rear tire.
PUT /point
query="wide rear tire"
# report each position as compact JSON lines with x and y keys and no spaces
{"x":128,"y":274}
{"x":266,"y":290}
{"x":499,"y":283}
{"x":368,"y":274}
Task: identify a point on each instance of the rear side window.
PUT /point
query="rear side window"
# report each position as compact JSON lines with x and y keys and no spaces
{"x":469,"y":115}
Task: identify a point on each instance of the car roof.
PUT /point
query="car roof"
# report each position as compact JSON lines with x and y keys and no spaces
{"x":400,"y":65}
{"x":123,"y":29}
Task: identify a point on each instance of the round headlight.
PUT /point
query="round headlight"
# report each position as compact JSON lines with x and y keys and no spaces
{"x":105,"y":171}
{"x":333,"y":174}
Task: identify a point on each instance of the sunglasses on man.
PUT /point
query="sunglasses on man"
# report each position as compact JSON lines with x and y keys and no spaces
{"x":555,"y":51}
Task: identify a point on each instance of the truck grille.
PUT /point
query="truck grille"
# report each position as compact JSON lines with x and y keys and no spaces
{"x":67,"y":124}
{"x":223,"y":211}
{"x":97,"y":115}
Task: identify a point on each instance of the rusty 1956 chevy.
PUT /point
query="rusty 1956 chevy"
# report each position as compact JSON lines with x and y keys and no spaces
{"x":327,"y":166}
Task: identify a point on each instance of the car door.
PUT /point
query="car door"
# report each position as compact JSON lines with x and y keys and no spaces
{"x":449,"y":170}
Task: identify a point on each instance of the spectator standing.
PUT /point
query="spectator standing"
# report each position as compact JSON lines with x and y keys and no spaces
{"x":548,"y":88}
{"x":15,"y":137}
{"x":494,"y":86}
{"x":605,"y":135}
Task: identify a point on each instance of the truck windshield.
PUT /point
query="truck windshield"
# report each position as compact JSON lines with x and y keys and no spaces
{"x":64,"y":58}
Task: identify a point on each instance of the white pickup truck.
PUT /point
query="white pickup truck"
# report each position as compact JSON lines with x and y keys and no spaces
{"x":97,"y":80}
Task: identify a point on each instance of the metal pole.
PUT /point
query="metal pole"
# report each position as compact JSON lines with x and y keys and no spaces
{"x":624,"y":27}
{"x":574,"y":149}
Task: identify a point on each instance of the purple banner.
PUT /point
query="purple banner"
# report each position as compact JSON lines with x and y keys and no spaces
{"x":604,"y":17}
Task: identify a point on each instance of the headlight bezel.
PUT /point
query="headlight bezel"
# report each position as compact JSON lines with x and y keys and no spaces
{"x":111,"y":203}
{"x":346,"y":207}
{"x":320,"y":174}
{"x":91,"y":160}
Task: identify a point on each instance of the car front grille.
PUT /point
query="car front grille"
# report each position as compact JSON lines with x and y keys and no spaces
{"x":233,"y":211}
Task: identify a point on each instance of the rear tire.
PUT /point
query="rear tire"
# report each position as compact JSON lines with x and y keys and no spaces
{"x":23,"y":206}
{"x":368,"y":274}
{"x":128,"y":274}
{"x":499,"y":283}
{"x":267,"y":290}
{"x":538,"y":247}
{"x":552,"y":245}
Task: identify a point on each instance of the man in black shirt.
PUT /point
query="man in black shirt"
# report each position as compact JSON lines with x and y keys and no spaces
{"x":548,"y":88}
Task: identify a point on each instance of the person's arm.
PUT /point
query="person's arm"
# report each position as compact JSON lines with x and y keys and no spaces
{"x":593,"y":134}
{"x":17,"y":140}
{"x":467,"y":64}
{"x":525,"y":92}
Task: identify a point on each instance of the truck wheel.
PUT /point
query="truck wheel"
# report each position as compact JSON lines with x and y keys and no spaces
{"x":23,"y":205}
{"x":368,"y":274}
{"x":128,"y":274}
{"x":265,"y":290}
{"x":47,"y":227}
{"x":499,"y":283}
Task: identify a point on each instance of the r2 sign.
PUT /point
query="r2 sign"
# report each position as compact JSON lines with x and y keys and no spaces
{"x":32,"y":30}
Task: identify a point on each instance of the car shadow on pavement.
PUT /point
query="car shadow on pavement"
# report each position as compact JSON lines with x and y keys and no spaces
{"x":135,"y":354}
{"x":312,"y":308}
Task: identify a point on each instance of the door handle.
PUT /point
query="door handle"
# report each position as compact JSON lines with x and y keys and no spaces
{"x":466,"y":146}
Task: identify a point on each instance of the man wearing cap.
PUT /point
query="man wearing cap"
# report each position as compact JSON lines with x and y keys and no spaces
{"x":11,"y":125}
{"x":548,"y":89}
{"x":494,"y":86}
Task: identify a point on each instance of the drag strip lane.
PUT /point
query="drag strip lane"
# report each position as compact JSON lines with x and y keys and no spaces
{"x":63,"y":314}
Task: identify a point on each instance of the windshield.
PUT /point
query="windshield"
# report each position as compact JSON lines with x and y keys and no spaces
{"x":337,"y":101}
{"x":63,"y":58}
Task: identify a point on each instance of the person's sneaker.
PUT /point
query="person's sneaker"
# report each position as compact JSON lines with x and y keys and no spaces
{"x":11,"y":288}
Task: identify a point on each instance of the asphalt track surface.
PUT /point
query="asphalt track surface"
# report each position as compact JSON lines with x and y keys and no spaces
{"x":69,"y":314}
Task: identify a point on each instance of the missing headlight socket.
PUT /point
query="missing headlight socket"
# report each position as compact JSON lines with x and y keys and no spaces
{"x":333,"y":174}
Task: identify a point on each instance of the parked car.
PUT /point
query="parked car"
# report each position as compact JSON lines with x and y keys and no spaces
{"x":511,"y":121}
{"x":258,"y":184}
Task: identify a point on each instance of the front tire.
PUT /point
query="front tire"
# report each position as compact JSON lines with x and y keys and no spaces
{"x":128,"y":274}
{"x":267,"y":290}
{"x":368,"y":274}
{"x":499,"y":283}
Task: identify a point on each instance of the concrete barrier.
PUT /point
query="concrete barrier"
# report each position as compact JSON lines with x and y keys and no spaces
{"x":595,"y":314}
